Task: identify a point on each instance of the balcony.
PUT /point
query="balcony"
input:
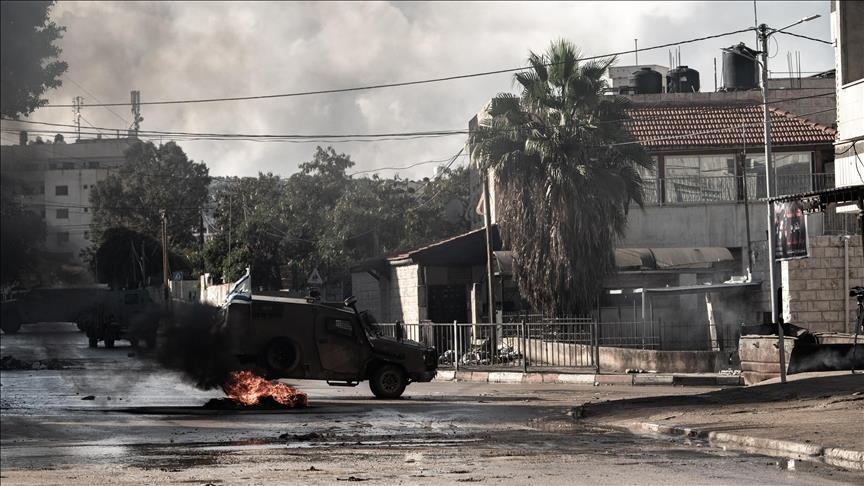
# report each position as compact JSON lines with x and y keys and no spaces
{"x":718,"y":189}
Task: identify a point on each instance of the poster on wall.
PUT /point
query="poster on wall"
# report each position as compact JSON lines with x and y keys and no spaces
{"x":790,"y":231}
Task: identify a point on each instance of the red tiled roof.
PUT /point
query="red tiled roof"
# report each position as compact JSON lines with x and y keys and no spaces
{"x":685,"y":126}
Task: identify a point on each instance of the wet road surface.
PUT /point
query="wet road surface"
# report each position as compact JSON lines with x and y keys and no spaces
{"x":146,"y":425}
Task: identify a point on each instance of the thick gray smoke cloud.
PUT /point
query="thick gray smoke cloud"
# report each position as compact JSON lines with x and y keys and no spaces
{"x":193,"y":345}
{"x":182,"y":50}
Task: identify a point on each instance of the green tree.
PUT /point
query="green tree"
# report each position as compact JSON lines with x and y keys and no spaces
{"x":251,"y":213}
{"x":563,"y":186}
{"x":152,"y":179}
{"x":28,"y":56}
{"x":20,"y":236}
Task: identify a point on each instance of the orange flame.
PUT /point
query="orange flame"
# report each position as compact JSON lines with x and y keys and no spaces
{"x":248,"y":388}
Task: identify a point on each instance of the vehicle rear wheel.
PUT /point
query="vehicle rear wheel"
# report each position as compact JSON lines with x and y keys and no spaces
{"x":150,"y":341}
{"x":388,"y":381}
{"x":281,"y":357}
{"x":92,"y":342}
{"x":10,"y":323}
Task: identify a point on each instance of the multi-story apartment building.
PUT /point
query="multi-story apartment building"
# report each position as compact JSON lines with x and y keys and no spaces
{"x":55,"y":180}
{"x":847,"y":28}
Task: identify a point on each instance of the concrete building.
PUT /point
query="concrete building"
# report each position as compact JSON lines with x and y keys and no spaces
{"x":700,"y":203}
{"x":847,"y":19}
{"x":55,"y":180}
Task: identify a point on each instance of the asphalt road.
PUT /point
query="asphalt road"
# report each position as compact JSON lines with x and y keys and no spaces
{"x":145,"y":425}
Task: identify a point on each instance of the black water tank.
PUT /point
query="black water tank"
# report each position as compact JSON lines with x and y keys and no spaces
{"x":682,"y":80}
{"x":647,"y":81}
{"x":740,"y":71}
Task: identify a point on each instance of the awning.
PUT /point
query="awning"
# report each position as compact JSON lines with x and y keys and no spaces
{"x":698,"y":289}
{"x":701,"y":257}
{"x":642,"y":258}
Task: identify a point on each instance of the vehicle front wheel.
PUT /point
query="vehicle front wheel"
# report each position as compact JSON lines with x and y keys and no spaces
{"x":388,"y":381}
{"x":281,"y":358}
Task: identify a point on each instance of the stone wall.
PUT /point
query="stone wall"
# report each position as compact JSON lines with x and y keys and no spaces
{"x":404,"y":301}
{"x":813,"y":288}
{"x":368,"y":292}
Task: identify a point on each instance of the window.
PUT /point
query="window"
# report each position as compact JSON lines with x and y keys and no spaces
{"x":85,"y":186}
{"x":63,"y":237}
{"x":87,"y":235}
{"x":61,"y":190}
{"x":92,"y":165}
{"x":697,"y":178}
{"x":340,"y":326}
{"x":86,"y":210}
{"x":62,"y":213}
{"x":792,"y":169}
{"x":68,"y":165}
{"x":266,"y":310}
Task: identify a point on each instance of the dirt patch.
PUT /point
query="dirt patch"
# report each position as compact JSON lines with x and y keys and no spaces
{"x":10,"y":363}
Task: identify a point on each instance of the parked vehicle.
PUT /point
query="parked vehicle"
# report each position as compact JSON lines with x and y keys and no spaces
{"x":102,"y":313}
{"x":307,"y":339}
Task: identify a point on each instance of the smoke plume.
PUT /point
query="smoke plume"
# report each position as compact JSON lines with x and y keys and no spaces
{"x":194,"y":346}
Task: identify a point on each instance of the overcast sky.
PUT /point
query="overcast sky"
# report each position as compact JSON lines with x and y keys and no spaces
{"x":179,"y":50}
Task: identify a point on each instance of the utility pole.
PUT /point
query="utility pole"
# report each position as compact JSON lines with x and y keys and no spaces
{"x":487,"y":221}
{"x":78,"y":103}
{"x":769,"y":185}
{"x":636,"y":50}
{"x":136,"y":112}
{"x":165,"y":286}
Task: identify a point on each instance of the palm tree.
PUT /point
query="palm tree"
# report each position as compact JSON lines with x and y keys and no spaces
{"x":564,"y":174}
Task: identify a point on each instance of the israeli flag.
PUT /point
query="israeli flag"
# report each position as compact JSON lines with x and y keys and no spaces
{"x":241,"y":291}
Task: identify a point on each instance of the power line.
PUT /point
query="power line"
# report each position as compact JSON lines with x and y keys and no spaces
{"x":404,"y":83}
{"x":403,"y":167}
{"x":388,"y":136}
{"x":95,"y":98}
{"x":804,"y":37}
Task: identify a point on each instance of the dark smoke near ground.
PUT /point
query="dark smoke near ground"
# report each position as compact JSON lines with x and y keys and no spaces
{"x":193,"y":345}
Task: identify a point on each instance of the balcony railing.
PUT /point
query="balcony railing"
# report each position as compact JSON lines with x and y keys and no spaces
{"x":706,"y":189}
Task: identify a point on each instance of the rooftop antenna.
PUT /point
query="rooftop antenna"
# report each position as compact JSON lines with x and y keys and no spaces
{"x":78,"y":102}
{"x":136,"y":113}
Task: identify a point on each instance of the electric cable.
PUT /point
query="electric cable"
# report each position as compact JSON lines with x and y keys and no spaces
{"x":404,"y":83}
{"x":804,"y":37}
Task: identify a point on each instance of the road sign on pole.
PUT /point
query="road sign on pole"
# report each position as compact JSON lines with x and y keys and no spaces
{"x":314,"y":278}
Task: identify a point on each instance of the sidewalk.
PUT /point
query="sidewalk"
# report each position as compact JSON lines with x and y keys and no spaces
{"x":816,"y":416}
{"x":591,"y":378}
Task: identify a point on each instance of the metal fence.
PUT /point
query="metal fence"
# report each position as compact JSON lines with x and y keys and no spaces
{"x":706,"y":189}
{"x":557,"y":344}
{"x":523,"y":346}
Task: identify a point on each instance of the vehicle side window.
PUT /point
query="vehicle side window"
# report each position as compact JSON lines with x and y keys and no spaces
{"x":340,"y":326}
{"x":131,"y":299}
{"x":266,"y":310}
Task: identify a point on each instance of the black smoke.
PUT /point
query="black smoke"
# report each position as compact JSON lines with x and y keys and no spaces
{"x":193,"y":344}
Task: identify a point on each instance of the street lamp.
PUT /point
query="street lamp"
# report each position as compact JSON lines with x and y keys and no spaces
{"x":764,"y":32}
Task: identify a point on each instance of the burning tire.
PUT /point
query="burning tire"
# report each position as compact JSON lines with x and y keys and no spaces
{"x":281,"y":357}
{"x":388,"y":381}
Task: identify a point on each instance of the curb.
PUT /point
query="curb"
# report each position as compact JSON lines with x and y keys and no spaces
{"x":633,"y":379}
{"x":838,"y":457}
